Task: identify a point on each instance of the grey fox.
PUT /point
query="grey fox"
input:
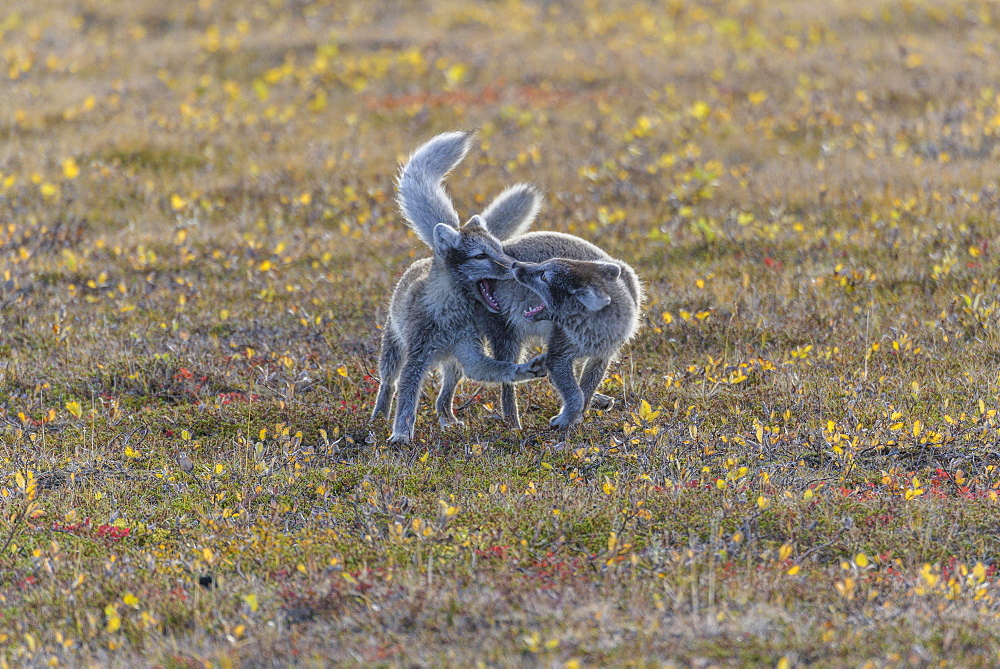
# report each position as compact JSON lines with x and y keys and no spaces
{"x":432,"y":320}
{"x":594,"y":310}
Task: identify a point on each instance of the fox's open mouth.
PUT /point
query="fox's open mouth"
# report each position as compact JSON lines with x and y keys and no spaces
{"x":534,"y":311}
{"x":489,"y":299}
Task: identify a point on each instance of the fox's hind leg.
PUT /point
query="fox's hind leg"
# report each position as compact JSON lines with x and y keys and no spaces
{"x":411,"y":378}
{"x":599,"y":401}
{"x":451,"y":374}
{"x":507,"y":349}
{"x":390,"y":360}
{"x":593,"y":374}
{"x":560,"y":364}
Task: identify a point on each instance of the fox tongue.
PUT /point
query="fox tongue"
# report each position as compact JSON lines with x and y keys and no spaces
{"x":535,"y":310}
{"x":486,"y":290}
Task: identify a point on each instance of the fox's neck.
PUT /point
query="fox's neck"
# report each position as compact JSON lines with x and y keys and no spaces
{"x":444,"y":296}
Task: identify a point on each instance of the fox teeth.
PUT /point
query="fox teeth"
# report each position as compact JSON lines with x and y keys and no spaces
{"x":484,"y":289}
{"x":532,"y":312}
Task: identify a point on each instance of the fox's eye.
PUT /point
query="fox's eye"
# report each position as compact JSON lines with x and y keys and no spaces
{"x":480,"y":256}
{"x":544,"y":276}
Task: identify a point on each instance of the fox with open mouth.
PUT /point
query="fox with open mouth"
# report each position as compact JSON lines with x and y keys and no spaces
{"x":433,"y":314}
{"x":593,"y":307}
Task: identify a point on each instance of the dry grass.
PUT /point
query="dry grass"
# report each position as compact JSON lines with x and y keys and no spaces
{"x":198,"y":240}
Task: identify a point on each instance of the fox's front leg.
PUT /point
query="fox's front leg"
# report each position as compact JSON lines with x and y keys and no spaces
{"x":480,"y":367}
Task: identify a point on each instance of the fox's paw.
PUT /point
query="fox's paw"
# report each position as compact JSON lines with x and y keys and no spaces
{"x":447,"y":421}
{"x":533,"y":369}
{"x":565,"y":420}
{"x":601,"y":402}
{"x":399,"y":439}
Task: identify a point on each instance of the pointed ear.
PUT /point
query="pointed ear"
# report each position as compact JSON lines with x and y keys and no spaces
{"x":593,"y":299}
{"x":477,"y":221}
{"x":445,"y":237}
{"x":609,"y":270}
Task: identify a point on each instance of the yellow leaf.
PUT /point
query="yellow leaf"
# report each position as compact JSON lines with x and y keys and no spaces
{"x":763,"y":502}
{"x":794,"y":570}
{"x":265,"y":266}
{"x":74,"y":408}
{"x":251,"y":601}
{"x":114,"y":624}
{"x":207,"y":553}
{"x":177,"y":202}
{"x":785,"y":551}
{"x":70,"y":169}
{"x":861,"y":560}
{"x":130,"y":600}
{"x":342,"y":370}
{"x":700,"y":110}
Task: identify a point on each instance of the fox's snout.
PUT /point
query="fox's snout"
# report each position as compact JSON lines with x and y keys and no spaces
{"x":506,"y":262}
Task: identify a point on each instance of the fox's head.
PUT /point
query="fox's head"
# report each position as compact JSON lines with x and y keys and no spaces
{"x":474,"y":259}
{"x":566,"y":286}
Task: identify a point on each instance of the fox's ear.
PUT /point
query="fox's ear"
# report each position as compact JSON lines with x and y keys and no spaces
{"x":477,"y":222}
{"x":445,"y":237}
{"x":609,"y":270}
{"x":593,"y":299}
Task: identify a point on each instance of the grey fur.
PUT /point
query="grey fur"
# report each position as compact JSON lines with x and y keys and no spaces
{"x":422,"y":197}
{"x":425,"y":203}
{"x":512,"y":211}
{"x":593,"y":306}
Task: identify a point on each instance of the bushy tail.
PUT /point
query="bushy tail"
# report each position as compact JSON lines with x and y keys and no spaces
{"x":421,"y":195}
{"x":512,"y":211}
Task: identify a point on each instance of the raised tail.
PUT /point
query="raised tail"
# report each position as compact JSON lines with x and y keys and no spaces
{"x":512,"y":211}
{"x":421,"y":194}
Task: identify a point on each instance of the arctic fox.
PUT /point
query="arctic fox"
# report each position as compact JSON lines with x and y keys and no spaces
{"x":594,"y":310}
{"x":432,"y":320}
